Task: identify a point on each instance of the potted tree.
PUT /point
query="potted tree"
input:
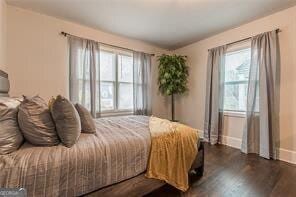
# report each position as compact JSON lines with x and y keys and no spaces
{"x":173,"y":77}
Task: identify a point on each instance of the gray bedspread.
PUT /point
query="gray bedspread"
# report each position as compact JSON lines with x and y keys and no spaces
{"x":118,"y":151}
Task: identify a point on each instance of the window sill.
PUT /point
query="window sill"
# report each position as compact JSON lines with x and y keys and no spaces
{"x":115,"y":113}
{"x":238,"y":114}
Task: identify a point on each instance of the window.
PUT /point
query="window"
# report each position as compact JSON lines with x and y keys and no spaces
{"x":116,"y":75}
{"x":237,"y":66}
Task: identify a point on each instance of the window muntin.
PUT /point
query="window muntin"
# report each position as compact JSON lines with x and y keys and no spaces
{"x":237,"y":66}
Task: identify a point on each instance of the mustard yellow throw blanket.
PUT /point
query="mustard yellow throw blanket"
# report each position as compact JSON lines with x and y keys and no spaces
{"x":173,"y":150}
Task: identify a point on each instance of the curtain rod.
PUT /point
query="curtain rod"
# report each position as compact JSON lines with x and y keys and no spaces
{"x":245,"y":39}
{"x":67,"y":34}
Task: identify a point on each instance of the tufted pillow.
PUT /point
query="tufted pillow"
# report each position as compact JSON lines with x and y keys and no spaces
{"x":36,"y":122}
{"x":87,"y":122}
{"x":67,"y":120}
{"x":10,"y":135}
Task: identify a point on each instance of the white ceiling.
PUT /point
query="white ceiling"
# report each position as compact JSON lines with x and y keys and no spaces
{"x":166,"y":23}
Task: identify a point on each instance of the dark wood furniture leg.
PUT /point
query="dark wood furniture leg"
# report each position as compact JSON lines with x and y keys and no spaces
{"x":201,"y":150}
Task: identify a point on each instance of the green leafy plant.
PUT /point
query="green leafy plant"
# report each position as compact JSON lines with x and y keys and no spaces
{"x":173,"y":76}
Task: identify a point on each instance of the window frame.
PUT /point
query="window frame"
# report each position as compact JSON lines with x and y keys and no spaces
{"x":116,"y":111}
{"x":232,"y":49}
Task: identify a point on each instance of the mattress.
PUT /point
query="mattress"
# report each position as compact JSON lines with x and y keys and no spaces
{"x":119,"y":150}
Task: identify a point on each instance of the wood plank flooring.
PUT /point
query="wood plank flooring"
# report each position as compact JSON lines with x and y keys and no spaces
{"x":228,"y":172}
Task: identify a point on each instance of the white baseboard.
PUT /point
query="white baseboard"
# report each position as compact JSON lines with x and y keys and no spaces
{"x":287,"y":155}
{"x":231,"y":141}
{"x":284,"y":154}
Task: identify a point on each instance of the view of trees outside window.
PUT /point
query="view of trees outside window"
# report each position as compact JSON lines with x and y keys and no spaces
{"x":237,"y":66}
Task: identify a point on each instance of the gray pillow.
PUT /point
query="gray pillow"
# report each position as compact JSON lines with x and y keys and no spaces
{"x":87,"y":122}
{"x":10,"y":136}
{"x":67,"y":120}
{"x":36,"y":122}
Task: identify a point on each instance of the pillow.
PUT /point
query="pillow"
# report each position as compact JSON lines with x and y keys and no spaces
{"x":10,"y":136}
{"x":87,"y":122}
{"x":67,"y":120}
{"x":36,"y":122}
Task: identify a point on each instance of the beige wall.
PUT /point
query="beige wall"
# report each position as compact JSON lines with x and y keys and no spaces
{"x":191,"y":107}
{"x":3,"y":34}
{"x":38,"y":57}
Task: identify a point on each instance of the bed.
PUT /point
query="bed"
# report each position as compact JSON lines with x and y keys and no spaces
{"x":110,"y":163}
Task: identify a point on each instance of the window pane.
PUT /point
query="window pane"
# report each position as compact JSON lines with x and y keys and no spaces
{"x":125,"y":68}
{"x":107,"y":96}
{"x":237,"y":66}
{"x":126,"y":96}
{"x":235,"y":98}
{"x":107,"y":66}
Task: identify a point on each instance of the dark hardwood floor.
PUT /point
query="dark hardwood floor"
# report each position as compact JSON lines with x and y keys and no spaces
{"x":228,"y":172}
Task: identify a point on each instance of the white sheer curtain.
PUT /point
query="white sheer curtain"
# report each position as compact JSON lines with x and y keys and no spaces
{"x":84,"y":73}
{"x":261,"y":130}
{"x":142,"y":83}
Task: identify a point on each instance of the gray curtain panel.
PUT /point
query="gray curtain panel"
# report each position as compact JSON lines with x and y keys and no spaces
{"x":84,"y":74}
{"x":214,"y":94}
{"x":142,"y":83}
{"x":260,"y":131}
